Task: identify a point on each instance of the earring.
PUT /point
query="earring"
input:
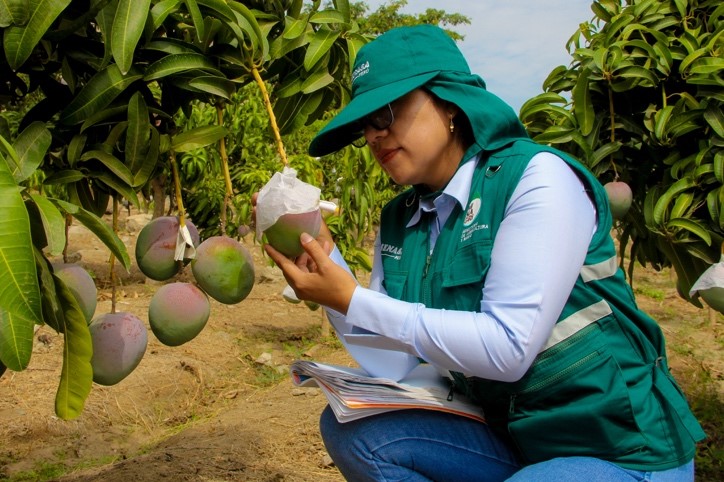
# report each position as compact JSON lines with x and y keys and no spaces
{"x":452,"y":125}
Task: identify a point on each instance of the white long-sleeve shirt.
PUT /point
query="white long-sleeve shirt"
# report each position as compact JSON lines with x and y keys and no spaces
{"x":537,"y":255}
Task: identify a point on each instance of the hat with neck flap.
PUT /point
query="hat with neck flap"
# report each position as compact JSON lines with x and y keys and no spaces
{"x":404,"y":59}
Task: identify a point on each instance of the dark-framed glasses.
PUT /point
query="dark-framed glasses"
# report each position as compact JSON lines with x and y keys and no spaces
{"x":380,"y":119}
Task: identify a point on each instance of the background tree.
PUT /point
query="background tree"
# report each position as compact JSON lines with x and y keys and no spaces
{"x":641,"y":103}
{"x":106,"y":96}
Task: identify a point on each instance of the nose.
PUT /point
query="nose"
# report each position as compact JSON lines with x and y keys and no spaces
{"x":373,"y":135}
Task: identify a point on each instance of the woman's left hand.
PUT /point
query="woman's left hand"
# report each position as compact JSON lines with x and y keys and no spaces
{"x":320,"y":279}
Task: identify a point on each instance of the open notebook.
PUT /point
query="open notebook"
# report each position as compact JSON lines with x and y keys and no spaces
{"x":353,"y":394}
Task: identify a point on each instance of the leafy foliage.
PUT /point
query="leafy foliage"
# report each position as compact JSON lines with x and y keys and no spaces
{"x":101,"y":97}
{"x":641,"y":103}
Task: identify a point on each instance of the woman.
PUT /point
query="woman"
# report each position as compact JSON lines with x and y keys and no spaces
{"x":497,"y":266}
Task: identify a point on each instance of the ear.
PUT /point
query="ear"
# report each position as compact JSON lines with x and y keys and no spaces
{"x":451,"y":110}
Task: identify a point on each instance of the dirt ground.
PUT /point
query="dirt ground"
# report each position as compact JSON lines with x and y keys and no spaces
{"x":222,"y":407}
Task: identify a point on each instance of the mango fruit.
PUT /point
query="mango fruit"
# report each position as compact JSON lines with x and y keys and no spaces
{"x":619,"y":198}
{"x":178,"y":312}
{"x":156,"y":247}
{"x":119,"y":343}
{"x":81,"y":286}
{"x":714,"y":297}
{"x":224,"y":269}
{"x":284,"y":234}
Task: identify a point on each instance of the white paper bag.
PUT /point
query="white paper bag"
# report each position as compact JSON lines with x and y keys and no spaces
{"x":284,"y":194}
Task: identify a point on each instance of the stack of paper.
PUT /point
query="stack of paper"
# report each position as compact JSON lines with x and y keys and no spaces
{"x":353,"y":394}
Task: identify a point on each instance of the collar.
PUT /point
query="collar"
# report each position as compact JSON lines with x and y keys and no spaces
{"x":457,"y":191}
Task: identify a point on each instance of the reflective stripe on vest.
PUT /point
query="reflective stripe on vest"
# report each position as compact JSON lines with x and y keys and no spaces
{"x":599,"y":271}
{"x":568,"y":327}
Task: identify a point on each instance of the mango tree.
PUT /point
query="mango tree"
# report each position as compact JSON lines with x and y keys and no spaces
{"x":108,"y":77}
{"x":641,"y":104}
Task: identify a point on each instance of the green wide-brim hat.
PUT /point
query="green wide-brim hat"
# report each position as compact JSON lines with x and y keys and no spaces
{"x":395,"y":63}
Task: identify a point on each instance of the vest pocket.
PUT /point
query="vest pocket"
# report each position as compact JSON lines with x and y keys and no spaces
{"x":463,"y":276}
{"x":395,"y":283}
{"x":581,"y":409}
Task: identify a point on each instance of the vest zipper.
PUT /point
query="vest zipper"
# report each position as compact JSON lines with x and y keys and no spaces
{"x":555,"y":377}
{"x":426,"y":297}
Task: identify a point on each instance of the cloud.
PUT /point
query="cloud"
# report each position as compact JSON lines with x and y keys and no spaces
{"x":512,"y":44}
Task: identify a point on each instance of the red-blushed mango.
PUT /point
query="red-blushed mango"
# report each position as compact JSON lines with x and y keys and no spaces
{"x":178,"y":312}
{"x":81,"y":286}
{"x":156,"y":247}
{"x":619,"y":198}
{"x":224,"y":269}
{"x":119,"y":343}
{"x":284,"y":234}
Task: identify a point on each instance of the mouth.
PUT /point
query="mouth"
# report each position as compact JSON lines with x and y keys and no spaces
{"x":385,"y":155}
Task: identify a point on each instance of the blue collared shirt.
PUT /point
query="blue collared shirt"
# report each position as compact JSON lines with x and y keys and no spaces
{"x":537,"y":255}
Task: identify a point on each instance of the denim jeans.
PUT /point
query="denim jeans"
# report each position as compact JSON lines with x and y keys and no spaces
{"x":424,"y":445}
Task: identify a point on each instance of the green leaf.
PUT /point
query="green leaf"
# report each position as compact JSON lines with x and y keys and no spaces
{"x":638,"y":73}
{"x":681,"y":205}
{"x":343,"y":7}
{"x":320,"y":44}
{"x":707,"y":65}
{"x":20,"y":41}
{"x":318,"y":80}
{"x":100,"y":91}
{"x":692,"y":226}
{"x":75,"y":148}
{"x":197,"y":138}
{"x":76,"y":377}
{"x":126,"y":31}
{"x":174,"y":64}
{"x":197,"y":18}
{"x":246,"y":20}
{"x":555,"y":135}
{"x":103,"y":115}
{"x":662,"y":204}
{"x":218,"y":86}
{"x":138,"y":133}
{"x":13,"y":12}
{"x":220,"y":8}
{"x":163,"y":9}
{"x":64,"y":177}
{"x":327,"y":16}
{"x":282,"y":46}
{"x":295,"y":27}
{"x":53,"y":224}
{"x":150,"y":161}
{"x":111,"y":162}
{"x":681,"y":7}
{"x":30,"y":146}
{"x":121,"y":187}
{"x":582,"y":104}
{"x":355,"y":42}
{"x":98,"y":227}
{"x":661,"y":120}
{"x":19,"y":291}
{"x":603,"y":152}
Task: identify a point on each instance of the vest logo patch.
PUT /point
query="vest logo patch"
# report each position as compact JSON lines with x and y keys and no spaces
{"x":469,"y":223}
{"x":472,"y":212}
{"x":390,"y":251}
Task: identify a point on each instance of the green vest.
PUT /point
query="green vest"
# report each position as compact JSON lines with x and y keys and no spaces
{"x":601,"y":386}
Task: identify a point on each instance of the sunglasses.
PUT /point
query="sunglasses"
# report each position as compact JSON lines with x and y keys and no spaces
{"x":380,"y":119}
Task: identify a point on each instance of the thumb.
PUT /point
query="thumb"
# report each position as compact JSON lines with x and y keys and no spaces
{"x":312,"y":247}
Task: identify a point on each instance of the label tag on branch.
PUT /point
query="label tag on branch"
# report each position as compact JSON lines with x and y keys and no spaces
{"x":184,"y":245}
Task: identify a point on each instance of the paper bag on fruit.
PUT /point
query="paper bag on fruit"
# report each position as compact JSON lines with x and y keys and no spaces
{"x":285,"y":208}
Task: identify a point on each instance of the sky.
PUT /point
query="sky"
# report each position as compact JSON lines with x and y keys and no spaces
{"x":512,"y":44}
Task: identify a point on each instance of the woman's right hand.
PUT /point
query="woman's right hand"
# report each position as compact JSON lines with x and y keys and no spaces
{"x":324,"y":238}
